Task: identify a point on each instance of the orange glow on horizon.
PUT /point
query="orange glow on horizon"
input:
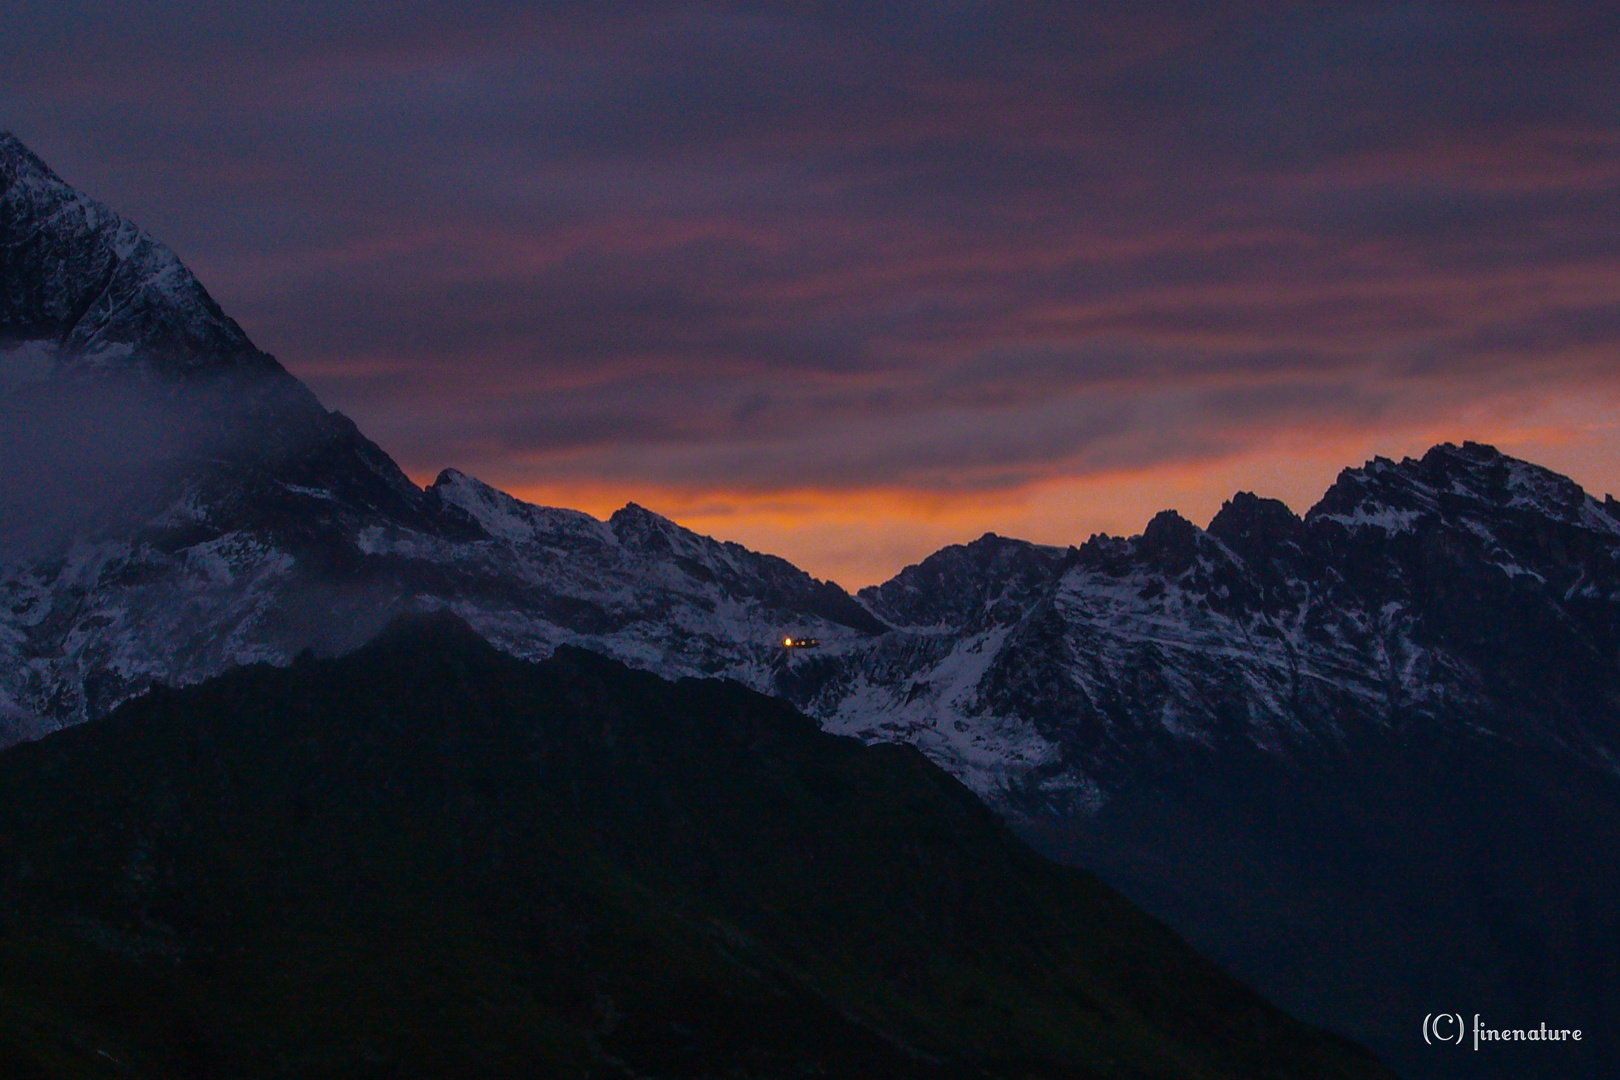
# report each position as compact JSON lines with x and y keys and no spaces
{"x":863,"y":536}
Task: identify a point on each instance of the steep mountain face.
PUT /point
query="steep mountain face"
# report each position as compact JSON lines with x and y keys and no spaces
{"x":1348,"y":737}
{"x":84,"y":289}
{"x":428,"y":859}
{"x":167,"y":483}
{"x":175,"y":503}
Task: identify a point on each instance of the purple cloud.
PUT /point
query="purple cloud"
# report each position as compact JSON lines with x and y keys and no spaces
{"x":956,"y":247}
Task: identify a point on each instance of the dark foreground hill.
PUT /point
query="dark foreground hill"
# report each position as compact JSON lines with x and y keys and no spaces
{"x":430,"y":859}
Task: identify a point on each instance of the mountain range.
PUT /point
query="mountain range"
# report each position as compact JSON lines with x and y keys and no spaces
{"x":1367,"y":758}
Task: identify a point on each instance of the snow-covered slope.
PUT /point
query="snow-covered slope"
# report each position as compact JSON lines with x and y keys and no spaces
{"x":1465,"y":589}
{"x":85,"y":289}
{"x":175,"y":503}
{"x":206,"y":584}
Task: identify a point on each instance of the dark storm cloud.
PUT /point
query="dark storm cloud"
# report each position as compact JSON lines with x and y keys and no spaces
{"x":937,"y":244}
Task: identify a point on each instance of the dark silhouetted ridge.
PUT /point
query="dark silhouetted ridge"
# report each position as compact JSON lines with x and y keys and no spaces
{"x":428,"y":859}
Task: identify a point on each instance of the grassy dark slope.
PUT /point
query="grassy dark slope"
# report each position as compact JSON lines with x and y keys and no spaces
{"x":428,"y":859}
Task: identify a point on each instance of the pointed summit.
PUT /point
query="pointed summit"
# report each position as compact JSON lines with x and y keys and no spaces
{"x":642,"y":529}
{"x":17,"y":158}
{"x":87,"y":293}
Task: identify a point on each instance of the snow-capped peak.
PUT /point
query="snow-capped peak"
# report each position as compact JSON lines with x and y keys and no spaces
{"x":103,"y":295}
{"x":508,"y":518}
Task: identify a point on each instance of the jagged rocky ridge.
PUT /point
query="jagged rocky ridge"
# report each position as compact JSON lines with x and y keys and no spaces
{"x":1465,"y":589}
{"x":1451,"y":586}
{"x":1254,"y":684}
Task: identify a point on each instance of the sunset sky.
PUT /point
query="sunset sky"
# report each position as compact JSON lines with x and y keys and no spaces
{"x":850,"y":281}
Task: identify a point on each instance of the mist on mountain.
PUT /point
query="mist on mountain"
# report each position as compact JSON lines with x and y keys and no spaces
{"x":83,"y":457}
